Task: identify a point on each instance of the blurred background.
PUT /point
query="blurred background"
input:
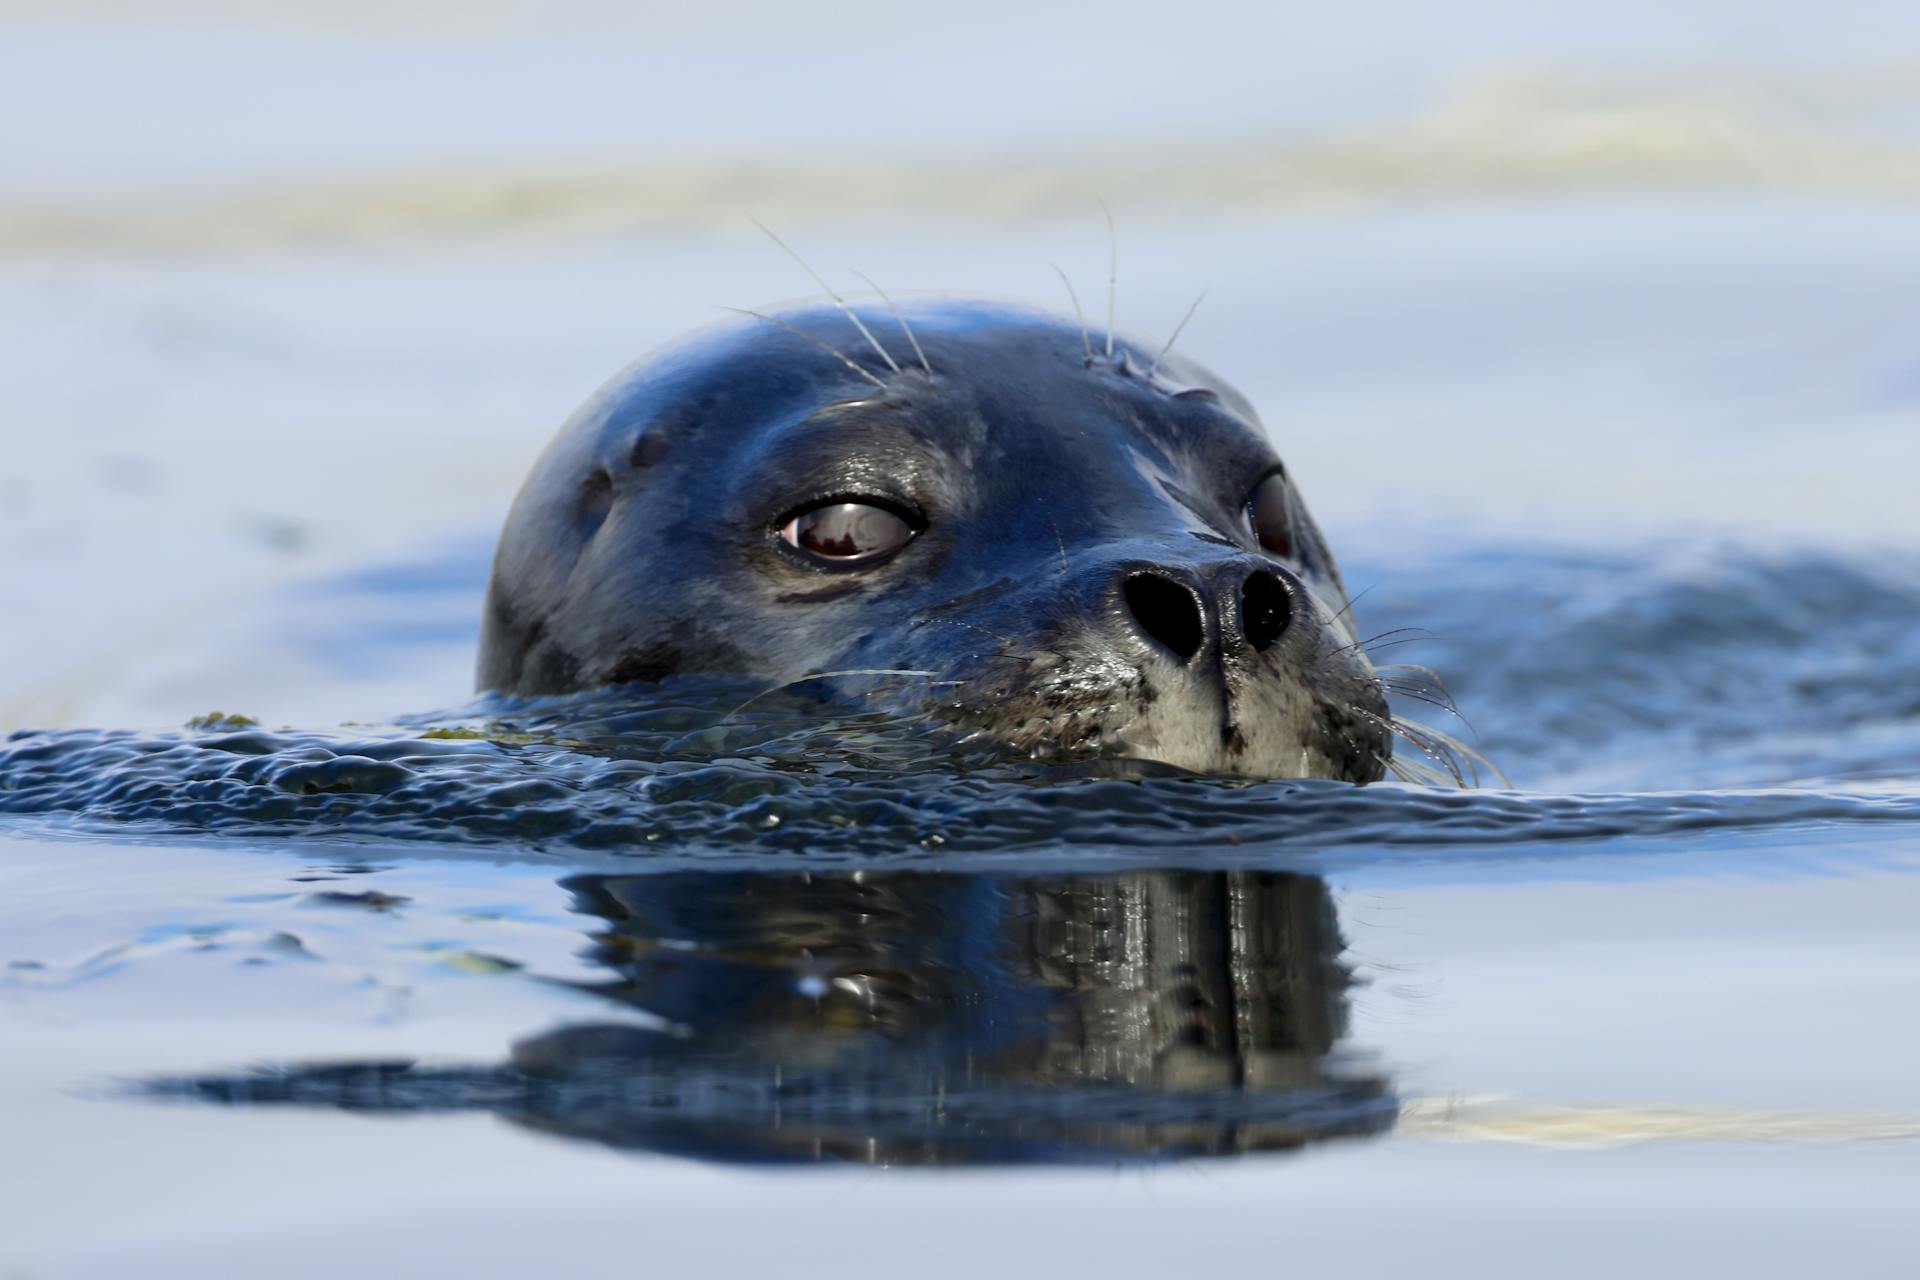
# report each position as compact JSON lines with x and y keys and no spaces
{"x":292,"y":293}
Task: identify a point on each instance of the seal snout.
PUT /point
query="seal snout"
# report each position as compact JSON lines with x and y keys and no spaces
{"x":1180,"y":611}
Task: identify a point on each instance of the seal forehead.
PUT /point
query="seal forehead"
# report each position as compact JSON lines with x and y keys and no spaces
{"x":1016,"y":369}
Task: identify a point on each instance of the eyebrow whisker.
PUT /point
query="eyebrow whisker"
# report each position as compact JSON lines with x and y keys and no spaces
{"x":1113,"y":272}
{"x":831,"y":350}
{"x":1176,"y":333}
{"x":1078,"y":315}
{"x":901,"y":317}
{"x":831,"y":293}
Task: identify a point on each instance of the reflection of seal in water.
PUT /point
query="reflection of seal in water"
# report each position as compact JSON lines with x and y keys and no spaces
{"x":1070,"y":553}
{"x":920,"y":1018}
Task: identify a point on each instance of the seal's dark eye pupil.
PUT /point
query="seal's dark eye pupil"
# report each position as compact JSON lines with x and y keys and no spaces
{"x":1270,"y":514}
{"x":847,"y":531}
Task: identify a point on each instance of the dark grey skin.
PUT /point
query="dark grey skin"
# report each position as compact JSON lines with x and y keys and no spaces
{"x":1082,"y":580}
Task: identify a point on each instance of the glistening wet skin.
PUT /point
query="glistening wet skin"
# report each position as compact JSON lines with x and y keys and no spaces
{"x":920,"y":1018}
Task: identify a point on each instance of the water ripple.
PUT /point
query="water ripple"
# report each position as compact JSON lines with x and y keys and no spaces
{"x":673,"y":771}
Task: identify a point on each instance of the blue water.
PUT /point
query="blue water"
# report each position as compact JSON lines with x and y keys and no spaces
{"x":805,"y":933}
{"x":1615,"y":696}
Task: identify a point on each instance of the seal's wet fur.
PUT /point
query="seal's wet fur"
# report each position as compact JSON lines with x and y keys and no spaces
{"x":1084,"y":581}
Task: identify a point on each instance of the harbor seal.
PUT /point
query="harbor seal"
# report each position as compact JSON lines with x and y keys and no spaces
{"x":1066,"y":547}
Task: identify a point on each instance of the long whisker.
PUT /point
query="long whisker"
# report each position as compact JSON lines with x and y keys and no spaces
{"x":1433,"y":753}
{"x":1415,"y":684}
{"x":1413,"y":771}
{"x":833,"y":351}
{"x":1348,"y":607}
{"x":1415,"y":735}
{"x":1376,"y":642}
{"x":1446,"y":751}
{"x":1453,"y":747}
{"x":1390,"y":644}
{"x":1113,"y":273}
{"x":1445,"y":702}
{"x":1425,"y":684}
{"x":1420,"y":773}
{"x":901,"y":317}
{"x":1396,"y":631}
{"x":831,"y":293}
{"x":1176,"y":333}
{"x":1445,"y":748}
{"x":1428,"y":672}
{"x":1403,"y":692}
{"x":1085,"y":341}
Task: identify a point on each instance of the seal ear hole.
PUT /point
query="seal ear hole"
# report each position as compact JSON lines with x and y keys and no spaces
{"x":596,"y":499}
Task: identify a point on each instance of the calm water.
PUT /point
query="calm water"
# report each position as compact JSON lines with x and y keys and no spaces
{"x":510,"y":980}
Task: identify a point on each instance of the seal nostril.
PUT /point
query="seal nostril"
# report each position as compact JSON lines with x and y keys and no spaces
{"x":1265,"y":609}
{"x":1166,"y":611}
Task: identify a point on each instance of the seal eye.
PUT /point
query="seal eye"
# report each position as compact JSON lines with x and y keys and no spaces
{"x":1270,"y":515}
{"x":847,"y":533}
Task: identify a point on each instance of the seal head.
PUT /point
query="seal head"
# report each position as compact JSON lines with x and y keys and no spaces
{"x":1069,"y":554}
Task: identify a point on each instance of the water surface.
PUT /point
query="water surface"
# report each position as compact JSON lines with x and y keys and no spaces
{"x":467,"y":956}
